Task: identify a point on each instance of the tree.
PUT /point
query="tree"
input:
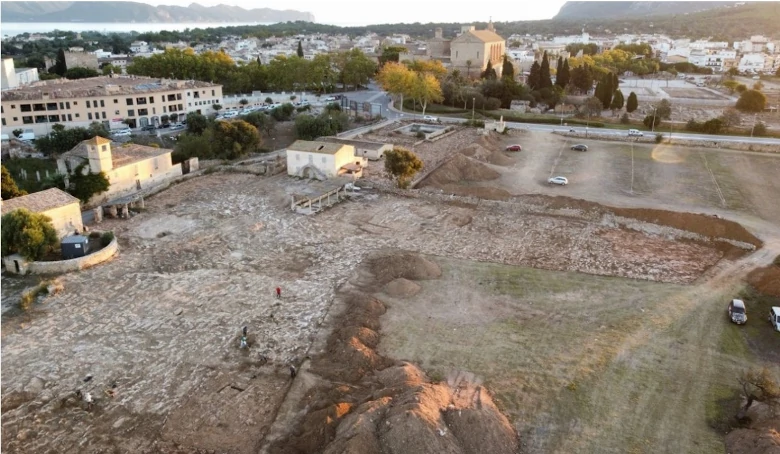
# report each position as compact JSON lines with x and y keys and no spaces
{"x":243,"y":101}
{"x":196,"y":123}
{"x":283,"y":112}
{"x":489,"y":72}
{"x":582,"y":78}
{"x":545,"y":81}
{"x":507,"y":69}
{"x":425,"y":89}
{"x":732,"y":72}
{"x":759,"y":129}
{"x":534,"y":77}
{"x":84,"y":185}
{"x":757,"y":386}
{"x":354,"y":68}
{"x":262,"y":122}
{"x":110,"y":69}
{"x":632,"y":103}
{"x":308,"y":127}
{"x":80,"y":73}
{"x":652,"y":121}
{"x":216,"y":107}
{"x":9,"y":188}
{"x":165,"y":118}
{"x":594,"y":106}
{"x":29,"y":234}
{"x":17,"y":132}
{"x":664,"y":109}
{"x":751,"y":101}
{"x":61,"y":140}
{"x":300,"y":50}
{"x":234,"y":139}
{"x":741,"y":88}
{"x":731,"y":117}
{"x":402,"y":164}
{"x":617,"y":100}
{"x":563,"y":76}
{"x":60,"y":67}
{"x":397,"y":79}
{"x":731,"y":85}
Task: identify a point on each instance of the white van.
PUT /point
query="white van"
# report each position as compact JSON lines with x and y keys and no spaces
{"x":635,"y":133}
{"x":774,"y":318}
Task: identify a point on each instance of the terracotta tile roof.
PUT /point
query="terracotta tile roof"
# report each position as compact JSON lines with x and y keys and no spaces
{"x":121,"y":154}
{"x":38,"y":202}
{"x":485,"y":36}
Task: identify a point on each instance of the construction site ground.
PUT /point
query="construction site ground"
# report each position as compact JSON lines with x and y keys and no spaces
{"x":596,"y":329}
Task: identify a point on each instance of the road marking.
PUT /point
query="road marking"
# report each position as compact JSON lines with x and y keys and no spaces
{"x":717,"y":186}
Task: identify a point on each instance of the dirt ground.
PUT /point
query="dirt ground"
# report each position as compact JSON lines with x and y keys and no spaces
{"x":159,"y":325}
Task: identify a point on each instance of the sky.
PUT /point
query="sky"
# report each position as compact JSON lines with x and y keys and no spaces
{"x":366,"y":12}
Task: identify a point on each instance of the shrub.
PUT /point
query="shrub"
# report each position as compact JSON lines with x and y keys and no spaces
{"x":27,"y":233}
{"x":106,"y":238}
{"x":659,"y":138}
{"x":624,"y":119}
{"x":94,"y":235}
{"x":420,"y":135}
{"x":650,"y":119}
{"x":759,"y":129}
{"x":29,"y":297}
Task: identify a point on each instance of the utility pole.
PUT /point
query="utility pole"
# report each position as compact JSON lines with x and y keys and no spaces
{"x":473,"y":101}
{"x":652,"y":126}
{"x":755,"y":119}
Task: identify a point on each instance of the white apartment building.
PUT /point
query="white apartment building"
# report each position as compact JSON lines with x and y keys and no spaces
{"x":13,"y":77}
{"x":139,"y":47}
{"x":712,"y":59}
{"x":752,"y":63}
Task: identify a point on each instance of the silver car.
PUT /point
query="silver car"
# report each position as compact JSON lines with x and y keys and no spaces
{"x":563,"y":181}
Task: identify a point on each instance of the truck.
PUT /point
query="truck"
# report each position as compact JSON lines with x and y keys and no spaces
{"x":28,"y":135}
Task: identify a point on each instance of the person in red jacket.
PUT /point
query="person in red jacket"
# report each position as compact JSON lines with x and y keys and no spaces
{"x":278,"y":292}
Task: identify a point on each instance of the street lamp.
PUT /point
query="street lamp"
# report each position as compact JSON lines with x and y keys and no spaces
{"x":587,"y":125}
{"x":755,"y":119}
{"x":473,"y":101}
{"x":562,"y":106}
{"x":652,"y":126}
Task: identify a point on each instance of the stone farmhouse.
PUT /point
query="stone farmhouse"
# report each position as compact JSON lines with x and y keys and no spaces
{"x":129,"y":167}
{"x":323,"y":160}
{"x":63,"y":209}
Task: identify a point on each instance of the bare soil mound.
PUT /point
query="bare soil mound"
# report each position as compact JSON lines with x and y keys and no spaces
{"x":483,"y":154}
{"x":490,"y":141}
{"x":374,"y":405}
{"x":749,"y":441}
{"x":766,"y":280}
{"x":406,"y":265}
{"x":401,"y":288}
{"x":460,"y":168}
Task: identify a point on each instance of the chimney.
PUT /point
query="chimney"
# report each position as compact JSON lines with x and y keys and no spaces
{"x":438,"y":33}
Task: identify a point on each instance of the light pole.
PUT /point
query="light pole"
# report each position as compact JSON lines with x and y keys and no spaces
{"x":652,"y":126}
{"x":562,"y":106}
{"x":755,"y":119}
{"x":473,"y":101}
{"x":587,"y":125}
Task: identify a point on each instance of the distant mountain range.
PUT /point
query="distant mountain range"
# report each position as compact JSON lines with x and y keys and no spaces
{"x":141,"y":12}
{"x":631,"y":10}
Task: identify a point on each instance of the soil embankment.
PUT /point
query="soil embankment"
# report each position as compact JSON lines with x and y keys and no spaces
{"x":370,"y":404}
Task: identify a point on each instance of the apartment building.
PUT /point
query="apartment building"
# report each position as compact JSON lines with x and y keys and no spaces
{"x":139,"y":101}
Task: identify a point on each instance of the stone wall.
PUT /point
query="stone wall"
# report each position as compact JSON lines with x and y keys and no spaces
{"x":65,"y":266}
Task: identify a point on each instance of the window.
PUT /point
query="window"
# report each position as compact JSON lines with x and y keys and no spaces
{"x":104,"y":115}
{"x":171,"y":97}
{"x":88,"y":105}
{"x":3,"y":121}
{"x":41,"y":118}
{"x":39,"y":107}
{"x":196,"y":95}
{"x":89,"y":115}
{"x":102,"y":148}
{"x":142,"y":112}
{"x":178,"y":96}
{"x":212,"y":93}
{"x":13,"y":106}
{"x":116,"y":112}
{"x":102,"y":103}
{"x":129,"y":101}
{"x":77,"y":115}
{"x":62,"y":105}
{"x":54,"y":118}
{"x":130,"y":113}
{"x":70,"y":118}
{"x":26,"y":108}
{"x":189,"y":104}
{"x":151,"y":99}
{"x":140,"y":101}
{"x":164,"y":109}
{"x":75,"y":103}
{"x":116,"y":101}
{"x":154,"y":110}
{"x":181,"y":107}
{"x":477,"y":54}
{"x":27,"y":120}
{"x":67,"y":104}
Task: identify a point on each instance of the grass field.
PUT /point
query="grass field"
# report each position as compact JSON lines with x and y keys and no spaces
{"x":580,"y":363}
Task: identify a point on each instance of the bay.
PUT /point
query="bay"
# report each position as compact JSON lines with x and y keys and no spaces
{"x":17,"y":28}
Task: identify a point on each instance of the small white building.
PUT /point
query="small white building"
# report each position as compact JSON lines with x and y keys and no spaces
{"x":322,"y":160}
{"x":129,"y":167}
{"x":63,"y":209}
{"x":364,"y":148}
{"x":139,"y":47}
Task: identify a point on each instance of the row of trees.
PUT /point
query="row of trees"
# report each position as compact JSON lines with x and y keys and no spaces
{"x":417,"y":80}
{"x":321,"y":74}
{"x":209,"y":139}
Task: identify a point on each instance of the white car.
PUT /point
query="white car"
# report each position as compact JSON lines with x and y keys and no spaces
{"x":122,"y":132}
{"x":430,"y":118}
{"x":558,"y":180}
{"x":635,"y":132}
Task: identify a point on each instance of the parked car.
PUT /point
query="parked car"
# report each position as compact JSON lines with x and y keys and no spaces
{"x":164,"y":125}
{"x":177,"y":126}
{"x":737,"y":312}
{"x":580,"y":147}
{"x":148,"y":128}
{"x":121,"y":132}
{"x":774,"y":317}
{"x":635,"y":133}
{"x":514,"y":147}
{"x":430,"y":118}
{"x":563,"y":181}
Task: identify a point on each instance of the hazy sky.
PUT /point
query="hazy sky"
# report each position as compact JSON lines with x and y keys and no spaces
{"x":351,"y":12}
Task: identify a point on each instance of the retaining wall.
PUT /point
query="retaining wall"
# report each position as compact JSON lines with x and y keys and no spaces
{"x":65,"y":266}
